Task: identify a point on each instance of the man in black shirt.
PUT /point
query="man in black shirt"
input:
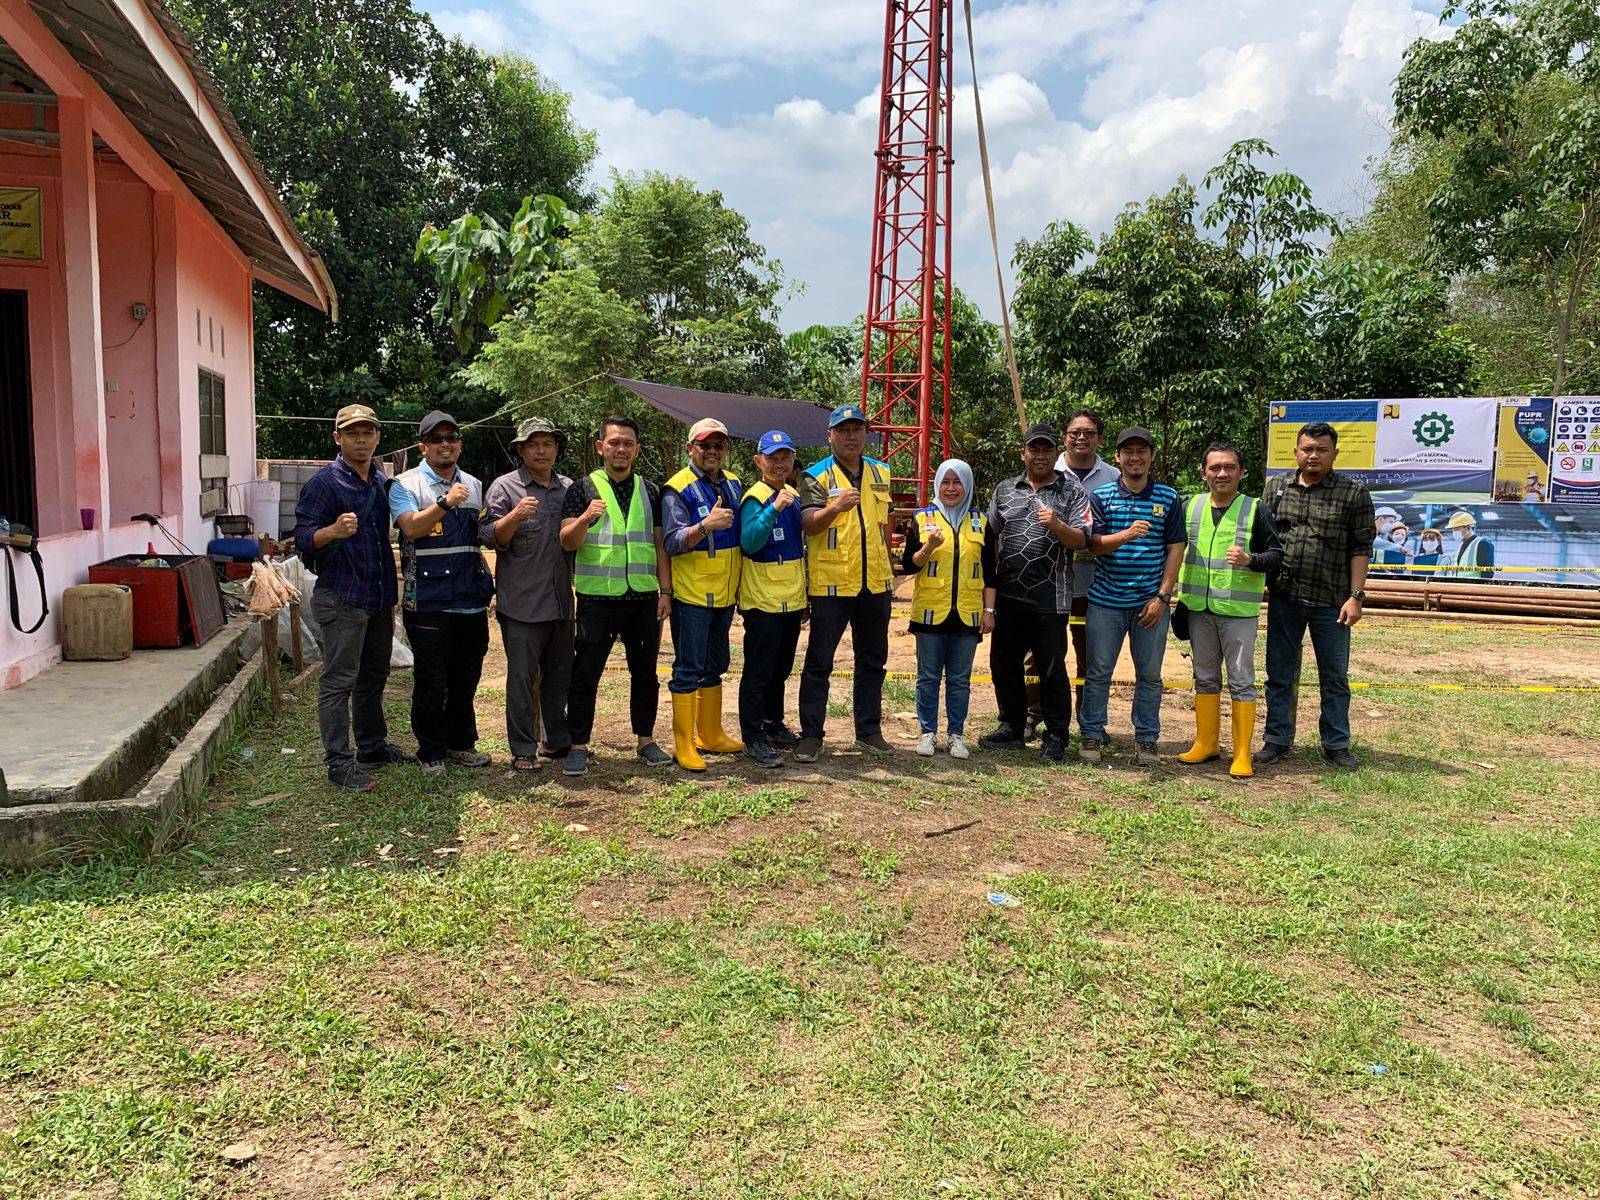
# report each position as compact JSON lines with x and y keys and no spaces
{"x":629,"y":613}
{"x":1037,"y":520}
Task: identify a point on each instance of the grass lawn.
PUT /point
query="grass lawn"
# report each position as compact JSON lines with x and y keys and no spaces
{"x":778,"y":984}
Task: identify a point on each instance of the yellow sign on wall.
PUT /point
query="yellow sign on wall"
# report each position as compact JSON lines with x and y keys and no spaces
{"x":21,"y":224}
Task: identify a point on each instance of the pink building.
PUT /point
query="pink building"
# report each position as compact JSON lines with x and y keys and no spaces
{"x":134,"y":223}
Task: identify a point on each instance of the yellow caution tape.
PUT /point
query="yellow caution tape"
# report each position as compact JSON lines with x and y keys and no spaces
{"x":1186,"y":685}
{"x":1469,"y":572}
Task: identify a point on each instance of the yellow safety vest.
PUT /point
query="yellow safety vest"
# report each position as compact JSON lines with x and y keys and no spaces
{"x":708,"y":575}
{"x":835,"y":561}
{"x":953,"y":574}
{"x":773,"y":579}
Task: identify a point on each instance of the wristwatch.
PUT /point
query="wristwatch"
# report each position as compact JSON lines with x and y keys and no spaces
{"x":990,"y":611}
{"x":1359,"y":595}
{"x":1164,"y":597}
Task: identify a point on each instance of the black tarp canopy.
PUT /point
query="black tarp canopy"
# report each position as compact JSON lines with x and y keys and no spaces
{"x":746,"y":417}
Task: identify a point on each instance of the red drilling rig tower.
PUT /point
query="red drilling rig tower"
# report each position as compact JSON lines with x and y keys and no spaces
{"x":904,"y":391}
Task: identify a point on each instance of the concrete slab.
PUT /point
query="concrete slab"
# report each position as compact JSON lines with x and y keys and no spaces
{"x":34,"y":834}
{"x":83,"y":733}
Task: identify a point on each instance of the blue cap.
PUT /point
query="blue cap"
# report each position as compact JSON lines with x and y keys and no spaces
{"x":846,"y":412}
{"x":774,"y":439}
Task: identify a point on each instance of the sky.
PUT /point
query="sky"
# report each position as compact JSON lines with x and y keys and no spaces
{"x":1088,"y":104}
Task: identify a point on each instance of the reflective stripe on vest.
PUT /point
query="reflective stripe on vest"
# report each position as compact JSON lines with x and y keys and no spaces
{"x":617,"y":555}
{"x":953,"y":574}
{"x":442,"y":585}
{"x":1207,"y":582}
{"x":708,"y":575}
{"x":773,"y":579}
{"x":835,"y":562}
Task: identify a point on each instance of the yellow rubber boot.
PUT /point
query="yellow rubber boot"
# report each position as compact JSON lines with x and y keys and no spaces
{"x":1244,"y":728}
{"x":683,"y":732}
{"x":1207,"y":729}
{"x":709,"y":724}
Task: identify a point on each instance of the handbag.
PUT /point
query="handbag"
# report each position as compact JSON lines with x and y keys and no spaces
{"x":1180,"y":621}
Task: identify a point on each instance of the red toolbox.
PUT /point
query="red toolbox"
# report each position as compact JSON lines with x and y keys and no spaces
{"x":172,"y":604}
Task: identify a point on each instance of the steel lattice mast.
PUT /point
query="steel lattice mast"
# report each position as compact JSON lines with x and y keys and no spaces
{"x":905,"y":392}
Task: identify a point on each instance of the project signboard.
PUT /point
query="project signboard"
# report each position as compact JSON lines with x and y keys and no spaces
{"x":1472,"y":488}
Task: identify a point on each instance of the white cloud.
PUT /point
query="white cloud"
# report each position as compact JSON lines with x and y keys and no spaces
{"x":1089,"y":104}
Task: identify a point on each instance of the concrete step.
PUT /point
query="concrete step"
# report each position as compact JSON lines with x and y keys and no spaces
{"x":84,"y":733}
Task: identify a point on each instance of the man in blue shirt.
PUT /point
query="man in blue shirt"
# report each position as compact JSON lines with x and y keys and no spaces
{"x":342,"y":533}
{"x":445,"y":607}
{"x":1138,"y":542}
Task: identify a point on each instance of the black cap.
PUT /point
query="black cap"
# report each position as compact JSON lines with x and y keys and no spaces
{"x":1042,"y":432}
{"x":435,"y":419}
{"x":1136,"y":433}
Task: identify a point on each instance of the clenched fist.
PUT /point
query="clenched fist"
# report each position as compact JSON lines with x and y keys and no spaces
{"x":782,"y":499}
{"x":456,"y":496}
{"x":525,"y":508}
{"x":847,"y":499}
{"x":1139,"y":529}
{"x":1238,"y":556}
{"x":344,"y":527}
{"x":933,"y":537}
{"x":596,"y":510}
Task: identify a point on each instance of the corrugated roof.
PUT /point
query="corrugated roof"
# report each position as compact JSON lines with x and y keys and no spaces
{"x":111,"y":51}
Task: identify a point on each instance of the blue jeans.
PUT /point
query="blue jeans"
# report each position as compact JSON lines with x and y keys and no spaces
{"x":948,"y":656}
{"x":699,"y":646}
{"x":1105,"y":629}
{"x":1287,"y":623}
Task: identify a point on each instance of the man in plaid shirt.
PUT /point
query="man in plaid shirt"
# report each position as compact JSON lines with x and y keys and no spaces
{"x":342,"y":533}
{"x":1326,"y":526}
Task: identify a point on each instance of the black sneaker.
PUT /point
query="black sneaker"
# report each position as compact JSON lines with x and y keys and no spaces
{"x":652,"y":755}
{"x":1270,"y":753}
{"x":1053,"y":750}
{"x":384,"y":756}
{"x":1146,"y":754}
{"x":352,"y":779}
{"x":1341,"y":758}
{"x":808,"y":749}
{"x":1003,"y":738}
{"x":576,"y":762}
{"x":781,"y":736}
{"x":763,"y":755}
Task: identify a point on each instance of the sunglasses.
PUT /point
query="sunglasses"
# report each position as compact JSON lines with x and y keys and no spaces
{"x":434,"y":439}
{"x":1082,"y":433}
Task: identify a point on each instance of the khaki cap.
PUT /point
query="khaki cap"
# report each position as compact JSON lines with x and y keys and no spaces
{"x":355,"y":414}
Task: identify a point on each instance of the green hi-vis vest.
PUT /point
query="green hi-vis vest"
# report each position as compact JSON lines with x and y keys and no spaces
{"x":617,"y":555}
{"x":1206,"y":581}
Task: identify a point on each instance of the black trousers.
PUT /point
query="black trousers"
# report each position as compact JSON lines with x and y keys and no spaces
{"x":770,"y":640}
{"x":1018,"y":629}
{"x":601,"y":622}
{"x":866,"y":615}
{"x":449,"y":649}
{"x":542,"y":649}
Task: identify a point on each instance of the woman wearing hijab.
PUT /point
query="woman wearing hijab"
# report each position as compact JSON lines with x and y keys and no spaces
{"x":952,"y":606}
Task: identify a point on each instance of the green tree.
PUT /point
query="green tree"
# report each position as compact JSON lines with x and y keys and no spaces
{"x":1158,"y":322}
{"x":374,"y":124}
{"x":666,"y":285}
{"x":1514,"y":96}
{"x":1368,"y":327}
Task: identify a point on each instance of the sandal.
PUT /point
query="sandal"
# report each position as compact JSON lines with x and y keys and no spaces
{"x":524,"y":762}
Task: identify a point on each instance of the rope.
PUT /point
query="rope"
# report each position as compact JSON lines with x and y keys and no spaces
{"x":994,"y":230}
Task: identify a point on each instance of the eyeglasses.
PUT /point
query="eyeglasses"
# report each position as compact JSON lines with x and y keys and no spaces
{"x":435,"y":439}
{"x":1076,"y":434}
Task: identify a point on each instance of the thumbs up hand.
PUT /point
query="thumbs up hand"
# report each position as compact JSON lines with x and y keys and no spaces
{"x":720,"y":517}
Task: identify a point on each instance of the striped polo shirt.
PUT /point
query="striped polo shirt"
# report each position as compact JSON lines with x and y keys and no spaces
{"x":1131,"y":574}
